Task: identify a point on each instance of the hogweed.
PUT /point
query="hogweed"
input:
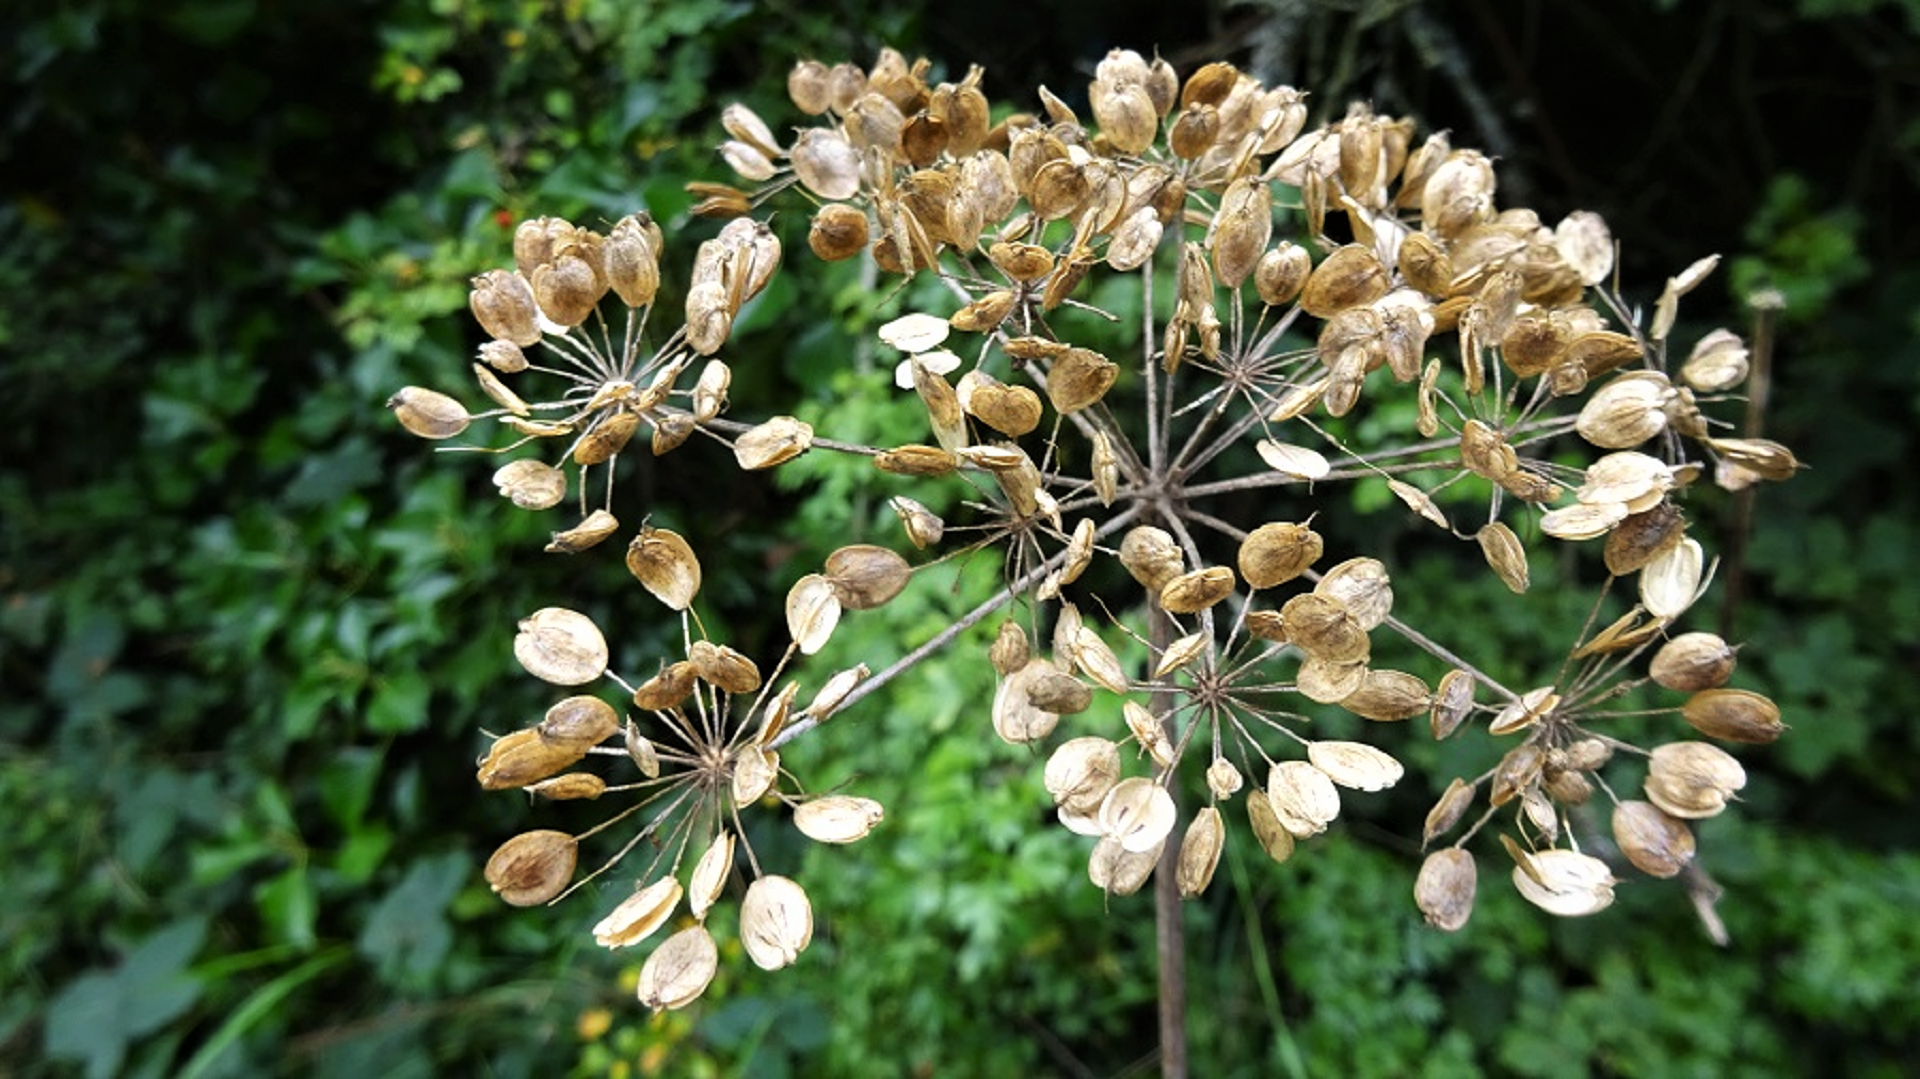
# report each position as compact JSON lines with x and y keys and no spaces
{"x":1543,"y":411}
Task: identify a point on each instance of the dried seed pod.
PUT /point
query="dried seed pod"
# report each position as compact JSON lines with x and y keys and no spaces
{"x":679,"y":970}
{"x":663,"y":561}
{"x":1693,"y":662}
{"x":597,"y":526}
{"x":865,"y":576}
{"x":837,"y":818}
{"x":667,"y":689}
{"x":1387,"y":696}
{"x":530,"y":484}
{"x":809,"y":85}
{"x":1445,"y":888}
{"x":1150,"y":732}
{"x":1274,"y":837}
{"x":1091,"y":655}
{"x":710,"y":875}
{"x":1639,"y":538}
{"x":755,"y":770}
{"x":1363,"y":586}
{"x":1453,"y":804}
{"x":1223,"y":779}
{"x":826,"y":163}
{"x":561,"y":646}
{"x":1582,"y":520}
{"x":1672,"y":581}
{"x":1419,"y":502}
{"x":723,"y":668}
{"x":1304,"y":798}
{"x":1485,"y":452}
{"x":1241,"y":228}
{"x":1118,"y":871}
{"x":1200,"y":852}
{"x":567,"y":290}
{"x":834,"y":693}
{"x":571,"y":786}
{"x":1011,"y":410}
{"x":1325,"y":682}
{"x":1355,"y":765}
{"x":1567,"y":787}
{"x":1281,"y":273}
{"x":924,"y":527}
{"x":504,"y":357}
{"x":1138,"y":814}
{"x":641,"y":752}
{"x":1656,"y":843}
{"x":503,"y":303}
{"x":1733,"y":715}
{"x":523,"y":757}
{"x":774,"y":442}
{"x":1325,"y":629}
{"x":1016,"y":718}
{"x":1060,"y":693}
{"x":1348,"y":277}
{"x":429,"y":413}
{"x":532,"y":867}
{"x":579,"y":722}
{"x":1524,"y":712}
{"x":1135,"y":239}
{"x":1079,"y":378}
{"x":813,"y":610}
{"x":1627,"y":411}
{"x":1009,"y":651}
{"x":1452,"y":701}
{"x":1297,"y":462}
{"x":1151,"y":556}
{"x":1693,"y":780}
{"x":1457,"y":194}
{"x":1081,"y":772}
{"x":1759,"y":457}
{"x":1563,"y":882}
{"x":1718,"y":363}
{"x":1276,"y":553}
{"x":1505,"y":555}
{"x":639,"y":914}
{"x":1189,"y":593}
{"x":916,"y":460}
{"x":1583,"y":241}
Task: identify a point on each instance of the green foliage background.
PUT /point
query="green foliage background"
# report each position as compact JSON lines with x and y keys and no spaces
{"x":250,"y":633}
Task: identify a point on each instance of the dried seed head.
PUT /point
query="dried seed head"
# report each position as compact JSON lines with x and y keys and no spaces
{"x":1733,"y":715}
{"x":1445,"y":887}
{"x":429,"y":413}
{"x":638,"y":915}
{"x":561,"y":646}
{"x":1009,"y":651}
{"x":1200,"y":852}
{"x":532,"y":867}
{"x":1656,"y":843}
{"x":679,"y":970}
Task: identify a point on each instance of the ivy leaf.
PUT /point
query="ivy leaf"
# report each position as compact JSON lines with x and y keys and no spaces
{"x":99,"y":1014}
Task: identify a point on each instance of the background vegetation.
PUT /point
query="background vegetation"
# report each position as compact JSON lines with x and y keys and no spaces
{"x":250,"y":632}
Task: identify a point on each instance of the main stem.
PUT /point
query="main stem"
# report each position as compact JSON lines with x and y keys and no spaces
{"x":1169,"y":935}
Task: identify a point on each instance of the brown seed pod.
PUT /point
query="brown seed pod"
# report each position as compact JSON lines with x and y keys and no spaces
{"x":1516,"y":772}
{"x":1602,"y":351}
{"x":1734,"y":715}
{"x":1276,"y":553}
{"x":523,"y":757}
{"x":827,"y":164}
{"x":1445,"y":888}
{"x":724,"y":668}
{"x":579,"y":722}
{"x":1189,"y":593}
{"x":1362,"y":584}
{"x":1388,"y":696}
{"x":532,"y":867}
{"x":1693,"y":662}
{"x":638,"y":915}
{"x":1241,"y":229}
{"x":774,"y":442}
{"x":561,"y":646}
{"x":597,"y":526}
{"x":776,"y":922}
{"x":1200,"y":852}
{"x":916,"y":460}
{"x":812,"y":613}
{"x":1424,"y":265}
{"x":667,"y":689}
{"x":573,"y":786}
{"x":1639,"y":538}
{"x":1656,"y":843}
{"x":1325,"y":629}
{"x":865,"y":576}
{"x":1151,"y":556}
{"x":502,"y":301}
{"x":1274,"y":837}
{"x":839,"y":231}
{"x":429,"y":413}
{"x":1693,"y":780}
{"x":1011,"y":410}
{"x":1281,"y":273}
{"x":606,"y":438}
{"x":1350,"y":276}
{"x":1060,"y":693}
{"x":679,"y":970}
{"x":1505,"y":554}
{"x":663,"y":561}
{"x":1009,"y":651}
{"x":1016,"y":719}
{"x":1453,"y":804}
